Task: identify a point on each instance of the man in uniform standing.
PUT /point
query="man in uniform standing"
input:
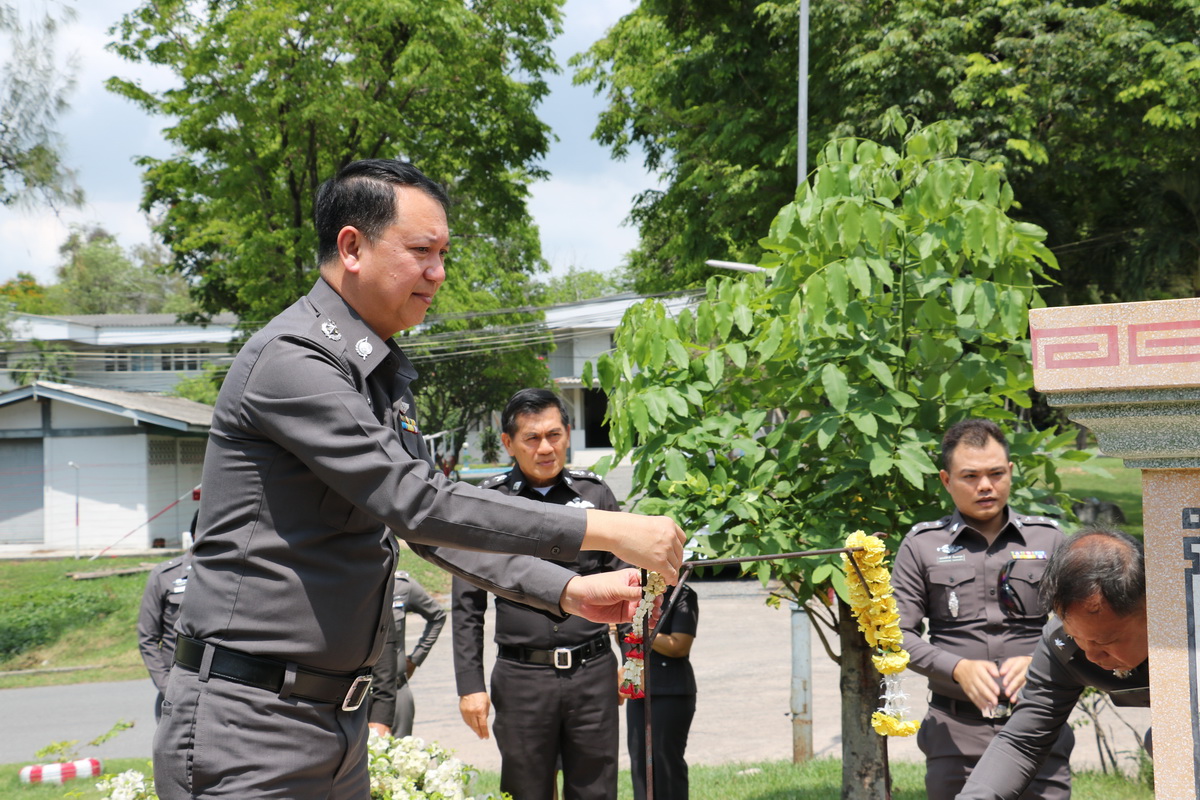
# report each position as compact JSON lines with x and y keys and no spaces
{"x":974,"y":575}
{"x":315,"y":463}
{"x":156,"y":621}
{"x":395,"y":667}
{"x":554,"y":682}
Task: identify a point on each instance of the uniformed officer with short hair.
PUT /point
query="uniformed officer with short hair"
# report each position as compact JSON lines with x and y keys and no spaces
{"x":390,"y":677}
{"x":554,"y":682}
{"x":156,"y":621}
{"x":315,"y":465}
{"x":974,"y":576}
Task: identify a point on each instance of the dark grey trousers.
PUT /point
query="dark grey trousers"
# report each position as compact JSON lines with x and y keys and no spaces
{"x":220,"y":739}
{"x":544,"y":714}
{"x":953,"y":745}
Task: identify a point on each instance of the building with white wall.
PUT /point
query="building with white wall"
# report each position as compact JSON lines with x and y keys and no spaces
{"x":136,"y":352}
{"x":97,"y":468}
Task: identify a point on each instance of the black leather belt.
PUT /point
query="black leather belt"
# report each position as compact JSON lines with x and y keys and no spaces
{"x":559,"y":657}
{"x":966,"y":709}
{"x":348,"y":689}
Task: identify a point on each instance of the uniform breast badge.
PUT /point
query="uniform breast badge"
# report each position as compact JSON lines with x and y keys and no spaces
{"x":953,"y":604}
{"x":363,"y":348}
{"x":330,"y":329}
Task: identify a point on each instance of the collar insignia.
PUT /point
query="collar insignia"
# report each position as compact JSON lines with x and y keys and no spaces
{"x":330,"y":329}
{"x":404,"y":406}
{"x":1060,"y":643}
{"x":363,"y":347}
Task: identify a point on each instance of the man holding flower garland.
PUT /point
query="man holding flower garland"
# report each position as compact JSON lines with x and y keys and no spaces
{"x":315,"y":465}
{"x":974,"y":576}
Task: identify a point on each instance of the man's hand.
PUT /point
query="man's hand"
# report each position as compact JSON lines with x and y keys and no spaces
{"x":409,"y":668}
{"x":653,"y":543}
{"x":474,"y":709}
{"x":1013,"y":673}
{"x":978,"y":680}
{"x":605,"y":596}
{"x":380,"y":728}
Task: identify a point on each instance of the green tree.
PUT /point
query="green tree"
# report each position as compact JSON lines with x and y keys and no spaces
{"x":44,"y":361}
{"x":202,"y":388}
{"x":790,"y":409}
{"x":478,"y":351}
{"x":578,"y":285}
{"x":1088,"y":106}
{"x":98,"y":277}
{"x":273,"y":97}
{"x":34,"y":87}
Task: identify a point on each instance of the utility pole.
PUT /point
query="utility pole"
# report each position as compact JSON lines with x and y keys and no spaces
{"x":801,"y":697}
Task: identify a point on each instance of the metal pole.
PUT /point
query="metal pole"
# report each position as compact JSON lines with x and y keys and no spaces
{"x":75,"y":466}
{"x":802,"y":99}
{"x":649,"y":743}
{"x":801,"y":696}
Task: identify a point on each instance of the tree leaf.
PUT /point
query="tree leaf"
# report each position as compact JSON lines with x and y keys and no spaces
{"x":837,"y":388}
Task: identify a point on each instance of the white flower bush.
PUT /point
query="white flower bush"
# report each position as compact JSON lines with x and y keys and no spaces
{"x":400,"y":769}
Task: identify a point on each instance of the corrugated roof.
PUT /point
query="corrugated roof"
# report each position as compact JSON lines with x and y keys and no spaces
{"x":138,"y":320}
{"x":155,"y":409}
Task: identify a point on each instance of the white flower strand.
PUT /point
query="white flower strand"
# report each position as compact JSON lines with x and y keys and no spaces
{"x":633,"y":683}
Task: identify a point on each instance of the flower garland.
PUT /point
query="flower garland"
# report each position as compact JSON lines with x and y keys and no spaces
{"x":632,"y":682}
{"x":878,"y":619}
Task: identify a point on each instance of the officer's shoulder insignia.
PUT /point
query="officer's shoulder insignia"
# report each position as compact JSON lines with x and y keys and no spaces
{"x":495,"y":480}
{"x":922,"y":527}
{"x":584,"y":473}
{"x":401,"y":574}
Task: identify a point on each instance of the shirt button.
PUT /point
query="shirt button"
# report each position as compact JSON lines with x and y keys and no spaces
{"x":555,"y":551}
{"x":992,"y":592}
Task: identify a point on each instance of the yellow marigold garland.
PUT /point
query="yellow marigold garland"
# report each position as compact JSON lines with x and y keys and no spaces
{"x":875,"y":608}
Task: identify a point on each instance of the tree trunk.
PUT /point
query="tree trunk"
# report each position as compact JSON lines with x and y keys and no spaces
{"x":864,"y":752}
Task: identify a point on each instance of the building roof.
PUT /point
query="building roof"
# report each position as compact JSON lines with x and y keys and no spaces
{"x":176,"y":413}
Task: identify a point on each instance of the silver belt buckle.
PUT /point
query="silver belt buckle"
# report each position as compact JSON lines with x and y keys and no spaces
{"x":562,"y":658}
{"x":357,"y":693}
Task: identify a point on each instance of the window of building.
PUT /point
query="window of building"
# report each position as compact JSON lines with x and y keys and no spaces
{"x":185,"y":359}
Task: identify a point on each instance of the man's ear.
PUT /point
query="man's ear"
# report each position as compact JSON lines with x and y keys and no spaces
{"x":945,"y":476}
{"x":506,"y":440}
{"x":350,"y":242}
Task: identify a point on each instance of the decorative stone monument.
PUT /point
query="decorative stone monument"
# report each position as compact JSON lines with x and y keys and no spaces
{"x":1130,"y":372}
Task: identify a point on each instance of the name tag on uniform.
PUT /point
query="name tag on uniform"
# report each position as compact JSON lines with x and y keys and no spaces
{"x":1027,"y":555}
{"x":397,"y":604}
{"x":949,"y":559}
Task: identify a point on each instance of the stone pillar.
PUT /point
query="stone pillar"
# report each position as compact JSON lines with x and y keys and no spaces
{"x":1131,"y":373}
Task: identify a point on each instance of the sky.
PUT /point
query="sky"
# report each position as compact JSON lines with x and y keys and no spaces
{"x":580,"y":209}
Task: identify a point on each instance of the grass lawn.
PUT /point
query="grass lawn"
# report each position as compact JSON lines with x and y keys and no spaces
{"x":50,"y":622}
{"x":815,"y":780}
{"x":1124,"y":488}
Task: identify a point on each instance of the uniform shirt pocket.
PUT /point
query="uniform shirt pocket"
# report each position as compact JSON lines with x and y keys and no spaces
{"x":953,"y":593}
{"x":1025,"y":578}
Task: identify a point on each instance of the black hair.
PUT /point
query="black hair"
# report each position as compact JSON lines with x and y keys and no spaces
{"x":1096,"y":561}
{"x":362,"y":195}
{"x":973,"y":433}
{"x":530,"y":401}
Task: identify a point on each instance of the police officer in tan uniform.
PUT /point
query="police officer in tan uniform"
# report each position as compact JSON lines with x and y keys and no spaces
{"x":553,"y":684}
{"x":315,"y":464}
{"x":974,"y":576}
